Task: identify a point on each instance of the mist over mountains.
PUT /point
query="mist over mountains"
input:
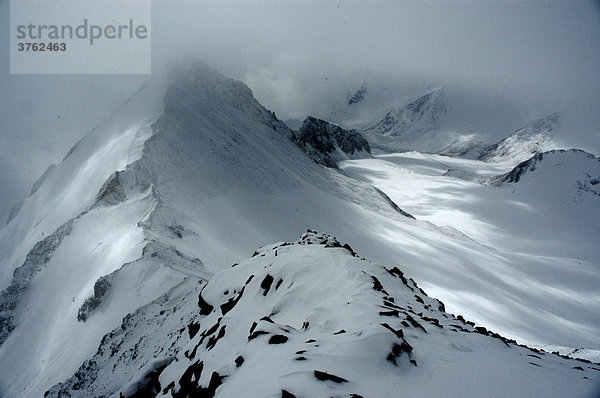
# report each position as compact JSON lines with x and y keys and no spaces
{"x":530,"y":59}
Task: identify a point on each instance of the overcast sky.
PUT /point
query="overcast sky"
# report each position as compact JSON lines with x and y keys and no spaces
{"x":543,"y":55}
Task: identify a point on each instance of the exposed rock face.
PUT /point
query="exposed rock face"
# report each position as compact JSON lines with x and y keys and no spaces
{"x":101,"y":287}
{"x":358,"y":95}
{"x":327,"y":143}
{"x":36,"y":260}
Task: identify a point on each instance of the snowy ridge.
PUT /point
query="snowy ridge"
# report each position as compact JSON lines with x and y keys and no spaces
{"x":560,"y":158}
{"x":104,"y":239}
{"x":408,"y":123}
{"x":534,"y":138}
{"x":413,"y":119}
{"x":67,"y":190}
{"x":150,"y":334}
{"x":36,"y":185}
{"x":314,"y":319}
{"x":175,"y":186}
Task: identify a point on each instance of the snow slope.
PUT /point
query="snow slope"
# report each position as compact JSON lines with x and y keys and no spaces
{"x":312,"y":318}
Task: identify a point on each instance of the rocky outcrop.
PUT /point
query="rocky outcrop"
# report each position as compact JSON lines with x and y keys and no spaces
{"x":37,"y":258}
{"x":358,"y":95}
{"x":327,"y":143}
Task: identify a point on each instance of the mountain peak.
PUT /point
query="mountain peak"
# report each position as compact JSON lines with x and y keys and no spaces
{"x":358,"y":95}
{"x":529,"y":140}
{"x":204,"y":88}
{"x":413,"y":119}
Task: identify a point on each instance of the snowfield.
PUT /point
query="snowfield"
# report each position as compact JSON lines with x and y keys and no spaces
{"x":542,"y":217}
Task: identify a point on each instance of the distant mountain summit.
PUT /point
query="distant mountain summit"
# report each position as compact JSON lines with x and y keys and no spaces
{"x":358,"y":95}
{"x":409,"y":121}
{"x":534,"y":138}
{"x":416,"y":125}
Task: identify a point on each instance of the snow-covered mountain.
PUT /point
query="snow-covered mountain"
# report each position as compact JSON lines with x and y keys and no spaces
{"x":429,"y":124}
{"x":159,"y":193}
{"x":446,"y":120}
{"x":530,"y":140}
{"x":409,"y":124}
{"x":454,"y":122}
{"x":186,"y":179}
{"x":312,"y":318}
{"x":399,"y":114}
{"x":327,"y":143}
{"x":563,"y":166}
{"x":409,"y":121}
